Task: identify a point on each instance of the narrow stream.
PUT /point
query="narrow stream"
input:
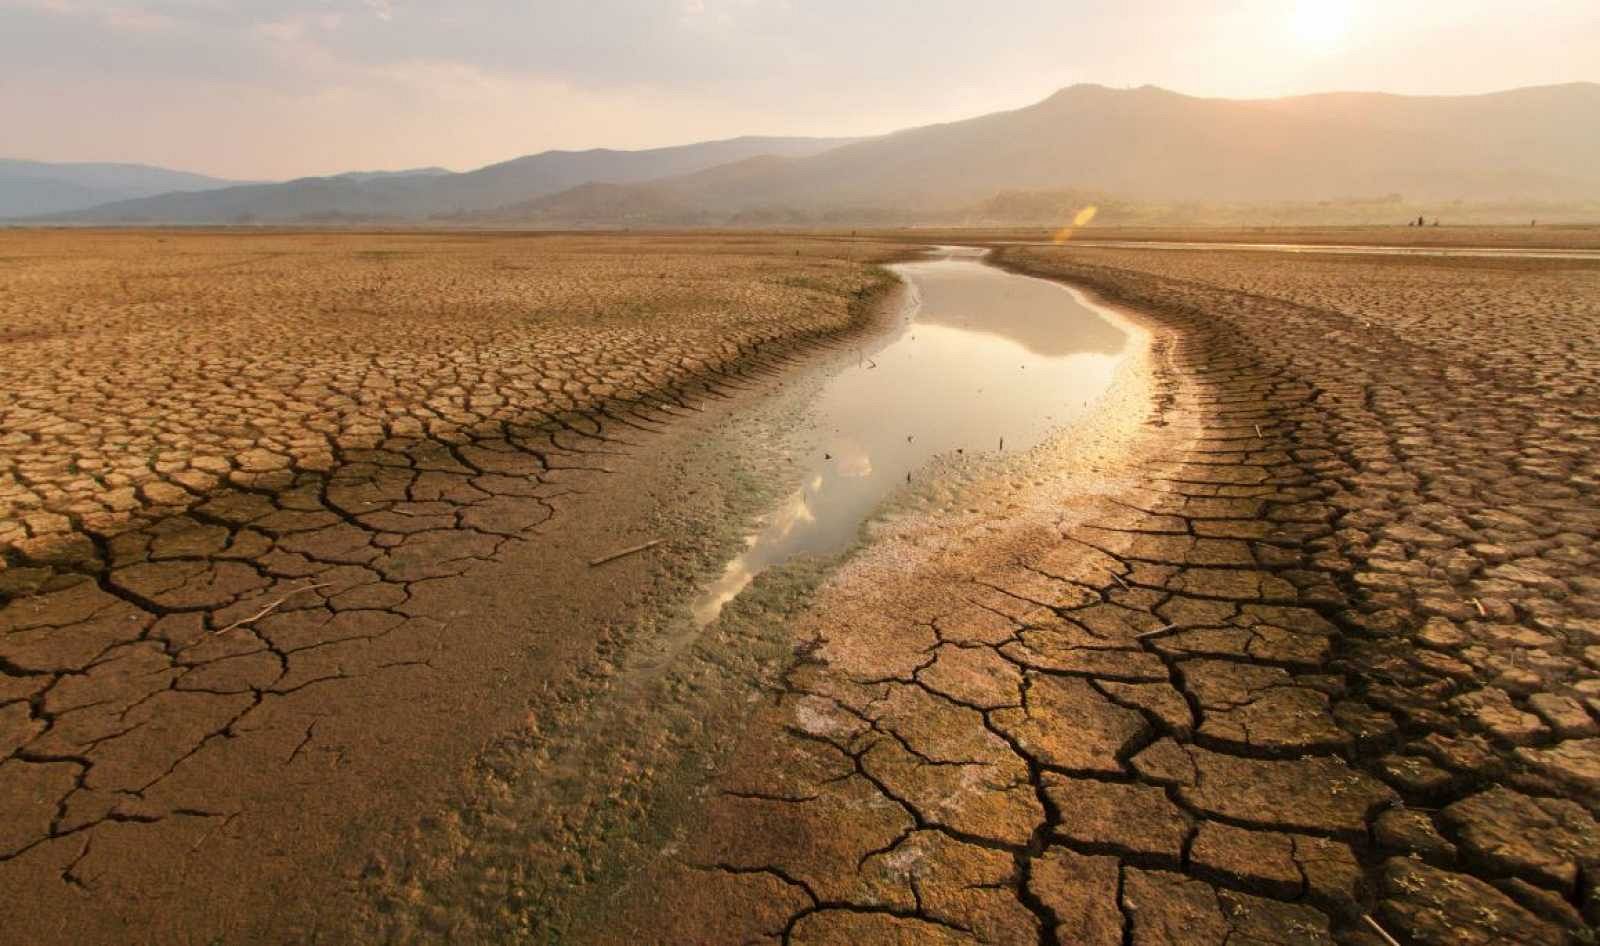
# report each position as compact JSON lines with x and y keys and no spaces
{"x":984,"y":360}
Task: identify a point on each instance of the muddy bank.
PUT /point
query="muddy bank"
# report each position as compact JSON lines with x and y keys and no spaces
{"x":558,"y":857}
{"x":865,"y":798}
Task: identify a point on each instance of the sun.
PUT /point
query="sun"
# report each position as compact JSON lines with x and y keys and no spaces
{"x":1320,"y":25}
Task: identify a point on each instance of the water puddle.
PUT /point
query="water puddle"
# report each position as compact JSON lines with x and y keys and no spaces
{"x":984,"y":360}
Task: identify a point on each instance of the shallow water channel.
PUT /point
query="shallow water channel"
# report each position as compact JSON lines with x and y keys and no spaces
{"x":982,"y":360}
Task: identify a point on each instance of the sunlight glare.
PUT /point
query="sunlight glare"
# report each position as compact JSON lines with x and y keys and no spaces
{"x":1320,"y":25}
{"x":1080,"y":219}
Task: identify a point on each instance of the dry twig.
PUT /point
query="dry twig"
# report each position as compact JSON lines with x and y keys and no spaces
{"x":269,"y":608}
{"x":1380,"y":930}
{"x":625,"y":552}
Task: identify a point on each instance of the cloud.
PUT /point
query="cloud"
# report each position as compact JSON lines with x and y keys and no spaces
{"x":403,"y":115}
{"x":300,"y":28}
{"x":713,"y":67}
{"x":122,"y":18}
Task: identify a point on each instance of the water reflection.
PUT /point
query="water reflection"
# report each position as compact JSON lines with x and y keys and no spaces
{"x":986,"y":356}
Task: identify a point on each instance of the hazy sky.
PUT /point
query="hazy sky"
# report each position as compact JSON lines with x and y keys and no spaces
{"x":279,"y":88}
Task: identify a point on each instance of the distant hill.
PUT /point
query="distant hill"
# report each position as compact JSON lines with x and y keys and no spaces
{"x":432,"y":192}
{"x":1159,"y":154}
{"x":1149,"y":144}
{"x":28,"y":188}
{"x":391,"y":175}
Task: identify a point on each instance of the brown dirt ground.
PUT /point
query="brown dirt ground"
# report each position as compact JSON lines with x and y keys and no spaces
{"x":268,"y":508}
{"x":1301,"y":628}
{"x":1573,"y":236}
{"x":1320,"y":662}
{"x":1554,"y":236}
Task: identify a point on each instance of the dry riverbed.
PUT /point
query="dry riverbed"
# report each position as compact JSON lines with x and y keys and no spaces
{"x":1318,"y":666}
{"x":1288,"y":637}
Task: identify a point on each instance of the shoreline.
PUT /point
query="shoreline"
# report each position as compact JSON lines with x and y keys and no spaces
{"x":739,"y":660}
{"x":532,"y":807}
{"x":981,"y":517}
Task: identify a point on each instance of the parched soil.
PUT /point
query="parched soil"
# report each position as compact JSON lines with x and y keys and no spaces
{"x":1297,"y":642}
{"x":1551,"y":236}
{"x":1319,"y":666}
{"x":292,"y":523}
{"x":1556,"y":236}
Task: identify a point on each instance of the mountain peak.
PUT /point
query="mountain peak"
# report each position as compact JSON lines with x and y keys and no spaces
{"x":1086,"y":93}
{"x":1087,"y":89}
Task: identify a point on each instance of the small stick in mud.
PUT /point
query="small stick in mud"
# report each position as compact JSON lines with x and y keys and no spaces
{"x":1258,"y":433}
{"x":1120,"y":581}
{"x":1482,"y":611}
{"x":269,"y":608}
{"x":1380,"y":930}
{"x":626,"y":552}
{"x":1154,"y":631}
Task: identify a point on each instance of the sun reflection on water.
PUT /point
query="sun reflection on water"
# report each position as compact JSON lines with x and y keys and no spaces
{"x":988,"y":357}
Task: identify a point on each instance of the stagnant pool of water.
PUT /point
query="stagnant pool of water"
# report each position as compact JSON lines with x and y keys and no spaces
{"x":985,"y":360}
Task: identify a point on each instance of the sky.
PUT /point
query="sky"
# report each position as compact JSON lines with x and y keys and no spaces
{"x":271,"y":89}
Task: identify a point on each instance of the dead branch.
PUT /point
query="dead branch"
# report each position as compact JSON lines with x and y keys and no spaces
{"x":626,"y":552}
{"x":1380,"y":930}
{"x":269,"y":608}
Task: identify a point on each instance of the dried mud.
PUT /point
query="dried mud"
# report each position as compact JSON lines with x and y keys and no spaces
{"x":1293,"y":640}
{"x":268,"y":505}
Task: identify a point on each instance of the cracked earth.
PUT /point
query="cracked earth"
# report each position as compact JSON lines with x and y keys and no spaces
{"x":1307,"y":653}
{"x":244,"y":481}
{"x":1318,"y":667}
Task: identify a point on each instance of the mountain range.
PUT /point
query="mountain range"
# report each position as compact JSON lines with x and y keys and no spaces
{"x":30,"y":188}
{"x":1534,"y":144}
{"x":432,"y":192}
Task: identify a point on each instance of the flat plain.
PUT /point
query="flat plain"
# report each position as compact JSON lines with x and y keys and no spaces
{"x":1309,"y":652}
